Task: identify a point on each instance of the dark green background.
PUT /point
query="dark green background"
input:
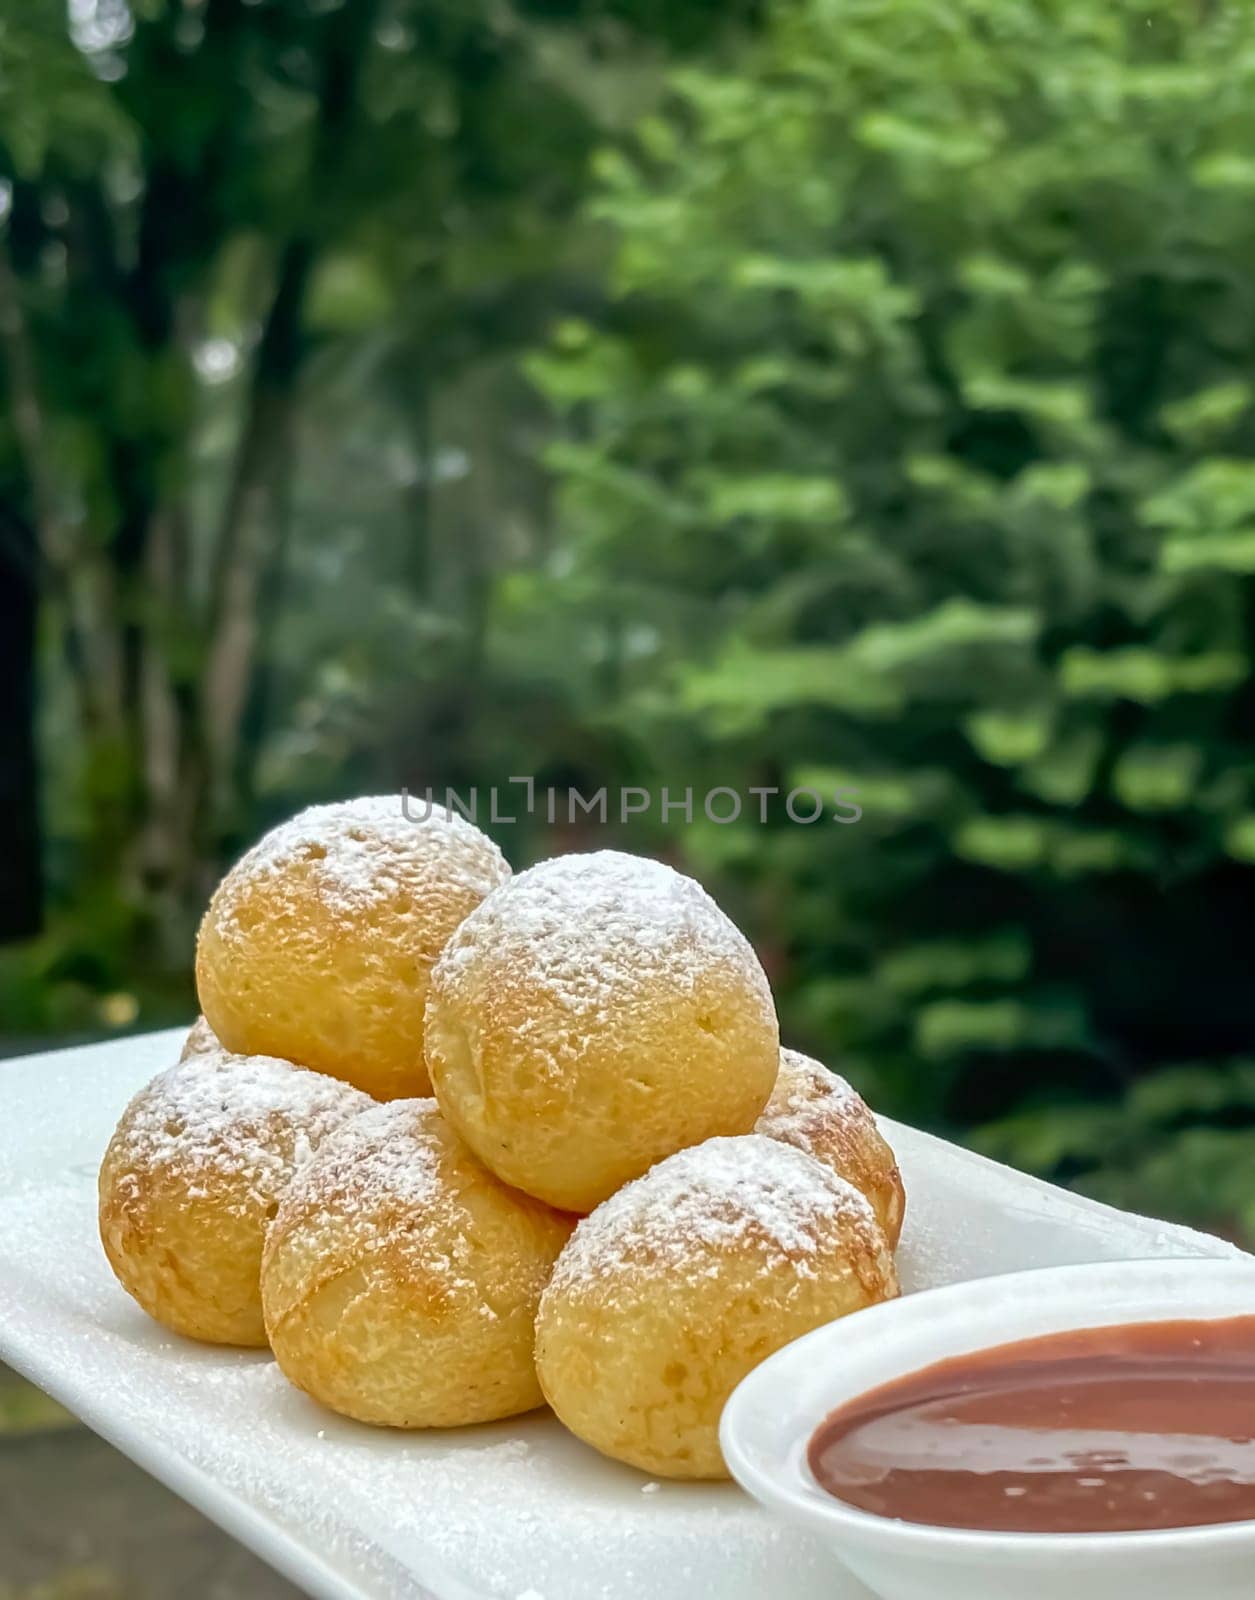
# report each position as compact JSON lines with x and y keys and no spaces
{"x":840,"y":393}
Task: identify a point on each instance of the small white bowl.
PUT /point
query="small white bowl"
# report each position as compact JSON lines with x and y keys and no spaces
{"x":768,"y":1423}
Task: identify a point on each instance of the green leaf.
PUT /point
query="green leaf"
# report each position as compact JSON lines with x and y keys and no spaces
{"x":349,"y":293}
{"x":1239,"y":838}
{"x":1208,"y":411}
{"x":1145,"y":675}
{"x":1010,"y":738}
{"x":1009,"y":844}
{"x":776,"y":497}
{"x":954,"y":1027}
{"x":1064,"y":773}
{"x":1151,"y":777}
{"x":1234,"y":552}
{"x":1000,"y":958}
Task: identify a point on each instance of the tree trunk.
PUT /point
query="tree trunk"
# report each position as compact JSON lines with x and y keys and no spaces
{"x":249,"y":542}
{"x":21,"y":882}
{"x":81,"y":579}
{"x":247,"y":539}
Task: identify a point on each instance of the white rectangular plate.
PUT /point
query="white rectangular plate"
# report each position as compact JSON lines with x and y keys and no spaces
{"x":513,"y":1511}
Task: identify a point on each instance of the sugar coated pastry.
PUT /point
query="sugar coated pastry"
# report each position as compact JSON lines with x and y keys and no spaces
{"x":193,"y":1175}
{"x":680,"y":1284}
{"x":820,"y":1113}
{"x":319,"y":943}
{"x":594,"y":1015}
{"x":401,"y":1279}
{"x":201,"y":1041}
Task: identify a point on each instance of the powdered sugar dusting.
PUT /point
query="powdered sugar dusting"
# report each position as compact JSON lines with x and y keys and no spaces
{"x":806,"y":1092}
{"x":201,"y":1040}
{"x":248,"y":1117}
{"x":726,"y":1196}
{"x":596,"y":929}
{"x":383,"y":1182}
{"x":386,"y":1158}
{"x":357,"y":855}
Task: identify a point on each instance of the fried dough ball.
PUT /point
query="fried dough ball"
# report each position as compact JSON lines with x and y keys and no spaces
{"x":318,"y":945}
{"x":201,"y":1041}
{"x":819,"y":1112}
{"x":400,"y":1279}
{"x":193,"y":1175}
{"x":680,"y":1284}
{"x":594,"y":1015}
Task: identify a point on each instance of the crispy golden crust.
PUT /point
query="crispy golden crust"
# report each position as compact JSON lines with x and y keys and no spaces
{"x":192,"y":1176}
{"x":594,"y":1015}
{"x":817,"y":1111}
{"x":400,"y":1278}
{"x":678,"y":1286}
{"x":318,"y":945}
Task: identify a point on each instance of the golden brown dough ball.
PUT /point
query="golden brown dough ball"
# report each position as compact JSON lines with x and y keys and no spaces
{"x":680,"y":1284}
{"x":201,"y":1041}
{"x":592,"y":1016}
{"x":819,"y":1112}
{"x":318,"y":945}
{"x":400,"y":1278}
{"x":193,"y":1175}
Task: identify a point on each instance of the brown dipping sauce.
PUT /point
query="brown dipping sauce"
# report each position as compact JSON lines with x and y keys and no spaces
{"x":1097,"y":1431}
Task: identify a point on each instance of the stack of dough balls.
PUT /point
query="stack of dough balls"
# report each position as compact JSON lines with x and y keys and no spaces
{"x":622,"y":1197}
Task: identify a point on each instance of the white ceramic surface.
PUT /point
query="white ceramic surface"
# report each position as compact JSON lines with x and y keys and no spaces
{"x":771,"y":1417}
{"x":513,"y":1511}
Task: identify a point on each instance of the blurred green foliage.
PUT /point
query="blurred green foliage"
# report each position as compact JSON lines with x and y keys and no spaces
{"x":914,"y":453}
{"x":873,"y":411}
{"x":264,"y":269}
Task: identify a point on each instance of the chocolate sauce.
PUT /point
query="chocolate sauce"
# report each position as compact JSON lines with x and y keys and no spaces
{"x":1097,"y":1431}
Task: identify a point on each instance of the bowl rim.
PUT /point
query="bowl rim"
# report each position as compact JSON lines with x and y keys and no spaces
{"x":787,"y":1486}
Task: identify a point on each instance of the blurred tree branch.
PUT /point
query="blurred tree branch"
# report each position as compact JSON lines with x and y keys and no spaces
{"x":21,"y":876}
{"x":248,"y":540}
{"x":75,"y":570}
